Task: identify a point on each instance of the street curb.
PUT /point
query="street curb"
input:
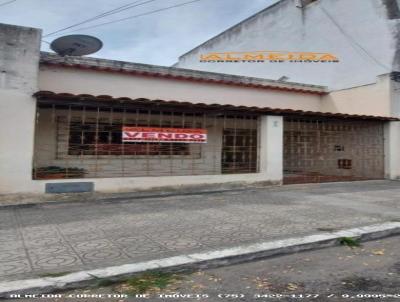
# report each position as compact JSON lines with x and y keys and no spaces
{"x":120,"y":199}
{"x":126,"y":197}
{"x":203,"y":260}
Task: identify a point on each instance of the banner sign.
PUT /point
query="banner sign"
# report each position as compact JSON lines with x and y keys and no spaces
{"x":163,"y":135}
{"x":268,"y":56}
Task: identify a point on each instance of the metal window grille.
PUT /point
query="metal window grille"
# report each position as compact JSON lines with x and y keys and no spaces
{"x":84,"y":140}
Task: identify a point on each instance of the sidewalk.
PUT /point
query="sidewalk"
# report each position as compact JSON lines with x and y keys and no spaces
{"x":44,"y":239}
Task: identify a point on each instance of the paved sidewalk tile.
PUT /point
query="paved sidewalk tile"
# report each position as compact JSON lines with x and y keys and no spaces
{"x":61,"y":238}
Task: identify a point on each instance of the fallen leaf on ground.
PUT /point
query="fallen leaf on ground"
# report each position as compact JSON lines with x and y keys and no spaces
{"x":262,"y":283}
{"x":213,"y":278}
{"x":378,"y":252}
{"x":292,"y":286}
{"x":198,"y":286}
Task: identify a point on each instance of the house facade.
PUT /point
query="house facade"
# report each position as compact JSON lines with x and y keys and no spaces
{"x":73,"y":124}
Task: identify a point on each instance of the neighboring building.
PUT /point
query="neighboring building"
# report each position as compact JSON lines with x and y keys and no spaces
{"x":73,"y":123}
{"x":363,"y":34}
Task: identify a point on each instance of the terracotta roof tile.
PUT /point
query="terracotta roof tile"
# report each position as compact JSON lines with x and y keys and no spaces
{"x":49,"y":95}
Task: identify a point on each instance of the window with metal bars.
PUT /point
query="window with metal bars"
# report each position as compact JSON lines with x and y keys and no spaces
{"x":105,"y":139}
{"x":239,"y":151}
{"x":86,"y":141}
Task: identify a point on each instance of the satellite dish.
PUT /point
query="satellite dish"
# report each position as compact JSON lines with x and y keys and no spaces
{"x":76,"y":45}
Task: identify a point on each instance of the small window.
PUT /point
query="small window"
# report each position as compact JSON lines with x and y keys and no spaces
{"x":345,"y":164}
{"x":339,"y":148}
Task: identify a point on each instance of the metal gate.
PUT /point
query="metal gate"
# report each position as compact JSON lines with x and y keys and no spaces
{"x":328,"y":150}
{"x":239,"y":151}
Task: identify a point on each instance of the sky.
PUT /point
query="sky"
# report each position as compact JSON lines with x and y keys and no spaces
{"x":157,"y":39}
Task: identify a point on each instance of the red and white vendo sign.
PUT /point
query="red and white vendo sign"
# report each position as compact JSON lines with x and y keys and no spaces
{"x":168,"y":135}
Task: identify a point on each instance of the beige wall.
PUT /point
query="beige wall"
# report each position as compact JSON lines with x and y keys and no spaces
{"x":78,"y":81}
{"x":373,"y":99}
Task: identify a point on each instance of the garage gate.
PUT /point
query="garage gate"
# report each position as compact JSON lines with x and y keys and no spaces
{"x":327,"y":150}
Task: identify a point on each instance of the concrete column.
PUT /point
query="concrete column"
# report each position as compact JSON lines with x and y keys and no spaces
{"x":392,"y":147}
{"x":19,"y":64}
{"x":271,"y":147}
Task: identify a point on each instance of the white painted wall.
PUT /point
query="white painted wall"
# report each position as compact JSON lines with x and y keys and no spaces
{"x":365,"y":42}
{"x":392,"y":147}
{"x":271,"y":152}
{"x":392,"y":134}
{"x":19,"y":61}
{"x":394,"y":91}
{"x":132,"y":184}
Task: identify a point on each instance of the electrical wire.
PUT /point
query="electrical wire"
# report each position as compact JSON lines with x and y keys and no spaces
{"x":103,"y":15}
{"x":136,"y":16}
{"x":352,"y":40}
{"x":8,"y":2}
